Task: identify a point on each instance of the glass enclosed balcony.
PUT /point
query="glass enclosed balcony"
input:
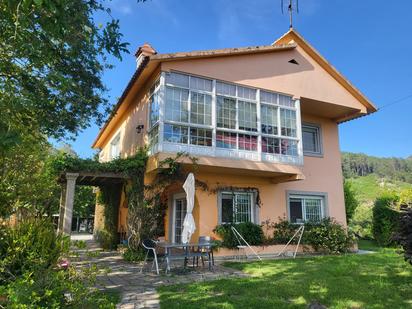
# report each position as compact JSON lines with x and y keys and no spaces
{"x":207,"y":117}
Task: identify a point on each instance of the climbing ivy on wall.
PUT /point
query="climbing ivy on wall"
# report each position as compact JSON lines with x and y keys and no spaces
{"x":147,"y":204}
{"x":109,"y":198}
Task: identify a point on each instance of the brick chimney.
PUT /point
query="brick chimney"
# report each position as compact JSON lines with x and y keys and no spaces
{"x":144,"y":51}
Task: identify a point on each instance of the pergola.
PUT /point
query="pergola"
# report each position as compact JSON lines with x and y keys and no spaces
{"x":69,"y":180}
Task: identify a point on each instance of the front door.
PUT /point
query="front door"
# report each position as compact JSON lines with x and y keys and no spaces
{"x":179,"y":213}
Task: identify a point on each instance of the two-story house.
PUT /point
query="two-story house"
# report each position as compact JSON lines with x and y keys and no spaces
{"x":261,"y":120}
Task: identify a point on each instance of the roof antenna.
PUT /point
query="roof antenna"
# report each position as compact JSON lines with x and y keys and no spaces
{"x":291,"y":8}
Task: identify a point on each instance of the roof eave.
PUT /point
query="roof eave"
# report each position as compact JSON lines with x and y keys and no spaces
{"x":185,"y":56}
{"x":135,"y":76}
{"x":370,"y":107}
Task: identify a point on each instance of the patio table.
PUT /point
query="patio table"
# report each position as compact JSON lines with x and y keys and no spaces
{"x":186,"y":248}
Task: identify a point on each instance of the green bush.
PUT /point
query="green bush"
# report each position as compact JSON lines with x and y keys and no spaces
{"x":404,"y":234}
{"x":385,"y":218}
{"x":351,"y":202}
{"x":283,"y":230}
{"x":57,"y":289}
{"x":31,"y":245}
{"x":134,"y":255}
{"x":327,"y":236}
{"x":361,"y":223}
{"x":251,"y":232}
{"x":107,"y":240}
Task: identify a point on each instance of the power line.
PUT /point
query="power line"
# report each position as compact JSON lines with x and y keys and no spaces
{"x":396,"y":101}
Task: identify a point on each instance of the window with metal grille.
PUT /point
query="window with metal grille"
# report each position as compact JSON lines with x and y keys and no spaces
{"x":304,"y":208}
{"x":236,"y":207}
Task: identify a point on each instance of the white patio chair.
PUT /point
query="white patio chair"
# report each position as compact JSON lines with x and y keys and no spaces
{"x":150,"y":245}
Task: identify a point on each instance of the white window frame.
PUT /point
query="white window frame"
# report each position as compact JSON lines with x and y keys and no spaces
{"x":318,"y":130}
{"x":253,"y":207}
{"x":278,"y":100}
{"x":115,"y":142}
{"x":322,"y":196}
{"x":178,"y":196}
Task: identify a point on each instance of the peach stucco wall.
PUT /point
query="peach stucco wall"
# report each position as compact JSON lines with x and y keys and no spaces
{"x":136,"y":114}
{"x":272,"y":71}
{"x":323,"y":175}
{"x":268,"y":71}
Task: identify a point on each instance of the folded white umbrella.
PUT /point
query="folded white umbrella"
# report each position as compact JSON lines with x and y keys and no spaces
{"x":189,"y":225}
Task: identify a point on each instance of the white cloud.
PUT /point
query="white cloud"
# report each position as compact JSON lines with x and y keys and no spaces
{"x":124,"y":7}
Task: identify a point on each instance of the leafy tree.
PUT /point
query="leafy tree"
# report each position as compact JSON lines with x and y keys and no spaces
{"x":358,"y":164}
{"x":28,"y":184}
{"x":52,"y":56}
{"x":25,"y":180}
{"x":351,"y":202}
{"x":84,"y":202}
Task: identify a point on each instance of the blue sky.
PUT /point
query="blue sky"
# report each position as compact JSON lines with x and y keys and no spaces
{"x":368,"y":41}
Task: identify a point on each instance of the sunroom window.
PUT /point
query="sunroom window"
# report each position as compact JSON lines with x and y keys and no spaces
{"x":288,"y":122}
{"x":200,"y":137}
{"x":247,"y":116}
{"x":154,"y":106}
{"x":175,"y":134}
{"x":226,"y":140}
{"x":227,"y":118}
{"x":248,"y":142}
{"x":289,"y":147}
{"x":269,"y":119}
{"x":270,"y":145}
{"x":226,"y":112}
{"x":177,"y":104}
{"x":200,"y":108}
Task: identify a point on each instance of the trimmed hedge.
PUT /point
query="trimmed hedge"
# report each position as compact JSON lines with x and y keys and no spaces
{"x":385,"y":218}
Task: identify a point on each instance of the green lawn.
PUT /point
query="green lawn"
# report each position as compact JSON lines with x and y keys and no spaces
{"x":378,"y":280}
{"x":370,"y":245}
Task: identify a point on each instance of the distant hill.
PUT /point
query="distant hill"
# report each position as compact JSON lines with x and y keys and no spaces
{"x":372,"y":175}
{"x":367,"y":188}
{"x":358,"y":164}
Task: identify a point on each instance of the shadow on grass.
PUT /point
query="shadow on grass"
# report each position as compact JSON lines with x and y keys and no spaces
{"x":380,"y":280}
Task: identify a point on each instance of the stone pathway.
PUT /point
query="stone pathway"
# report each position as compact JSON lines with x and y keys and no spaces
{"x":138,"y":290}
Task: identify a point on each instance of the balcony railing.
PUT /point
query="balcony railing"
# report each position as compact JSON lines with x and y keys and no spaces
{"x":207,"y":117}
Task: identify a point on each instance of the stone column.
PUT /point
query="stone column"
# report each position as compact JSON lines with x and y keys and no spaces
{"x":68,"y":209}
{"x":61,"y":210}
